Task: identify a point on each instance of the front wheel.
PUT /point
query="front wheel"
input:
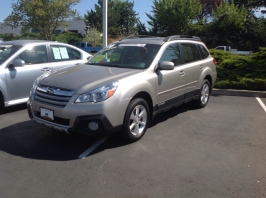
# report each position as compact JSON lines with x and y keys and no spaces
{"x":204,"y":94}
{"x":136,"y":120}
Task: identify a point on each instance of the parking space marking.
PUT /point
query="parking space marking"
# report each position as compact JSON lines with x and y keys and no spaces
{"x":93,"y":147}
{"x":261,"y":103}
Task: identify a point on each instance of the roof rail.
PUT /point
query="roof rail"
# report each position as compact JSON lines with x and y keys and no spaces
{"x":181,"y":37}
{"x":137,"y":36}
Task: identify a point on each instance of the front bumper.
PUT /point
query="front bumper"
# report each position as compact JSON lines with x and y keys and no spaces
{"x":109,"y":117}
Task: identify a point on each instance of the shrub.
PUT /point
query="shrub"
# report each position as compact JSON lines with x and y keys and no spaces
{"x":68,"y":37}
{"x":93,"y":37}
{"x":241,"y":72}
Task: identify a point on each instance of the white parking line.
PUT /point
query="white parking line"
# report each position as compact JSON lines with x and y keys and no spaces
{"x":93,"y":147}
{"x":261,"y":103}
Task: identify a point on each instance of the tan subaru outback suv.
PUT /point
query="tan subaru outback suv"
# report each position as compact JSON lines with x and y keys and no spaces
{"x":124,"y":86}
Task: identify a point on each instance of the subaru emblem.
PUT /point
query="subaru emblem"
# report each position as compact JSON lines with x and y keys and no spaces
{"x":50,"y":91}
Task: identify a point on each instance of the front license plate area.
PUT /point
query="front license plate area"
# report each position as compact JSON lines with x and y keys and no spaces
{"x":47,"y":114}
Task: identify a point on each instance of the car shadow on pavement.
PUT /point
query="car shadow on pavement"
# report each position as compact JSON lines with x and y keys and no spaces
{"x":116,"y":140}
{"x":172,"y":113}
{"x":14,"y":108}
{"x":30,"y":140}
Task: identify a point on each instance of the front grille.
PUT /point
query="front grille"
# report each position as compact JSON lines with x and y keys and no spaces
{"x":54,"y":96}
{"x":56,"y":120}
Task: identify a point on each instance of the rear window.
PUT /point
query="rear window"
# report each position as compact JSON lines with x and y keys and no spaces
{"x":7,"y":50}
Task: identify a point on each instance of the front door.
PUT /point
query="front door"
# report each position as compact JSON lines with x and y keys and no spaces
{"x":170,"y":85}
{"x":20,"y":79}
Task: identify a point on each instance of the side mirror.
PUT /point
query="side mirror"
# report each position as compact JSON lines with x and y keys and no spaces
{"x":166,"y":65}
{"x":18,"y":63}
{"x":89,"y":58}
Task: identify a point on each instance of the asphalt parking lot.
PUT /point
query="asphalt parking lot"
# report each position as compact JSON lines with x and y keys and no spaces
{"x":218,"y":151}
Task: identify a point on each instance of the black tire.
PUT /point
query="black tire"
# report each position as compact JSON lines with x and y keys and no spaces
{"x":2,"y":105}
{"x":136,"y":120}
{"x":205,"y":91}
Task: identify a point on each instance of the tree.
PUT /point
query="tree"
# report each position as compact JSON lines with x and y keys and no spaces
{"x":173,"y":16}
{"x":250,"y":5}
{"x":207,"y":7}
{"x":93,"y":37}
{"x":44,"y":15}
{"x":228,"y":23}
{"x":141,"y":28}
{"x":122,"y":19}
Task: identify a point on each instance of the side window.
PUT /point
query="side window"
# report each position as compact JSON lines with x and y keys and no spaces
{"x":63,"y":53}
{"x":82,"y":45}
{"x":35,"y":55}
{"x":190,"y":52}
{"x":76,"y":54}
{"x":203,"y":51}
{"x":171,"y":54}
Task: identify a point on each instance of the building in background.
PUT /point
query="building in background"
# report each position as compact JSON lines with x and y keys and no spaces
{"x":73,"y":26}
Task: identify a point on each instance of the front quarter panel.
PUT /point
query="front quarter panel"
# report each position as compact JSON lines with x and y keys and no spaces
{"x":130,"y":86}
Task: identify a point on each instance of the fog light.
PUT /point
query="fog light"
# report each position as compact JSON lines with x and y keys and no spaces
{"x":93,"y":126}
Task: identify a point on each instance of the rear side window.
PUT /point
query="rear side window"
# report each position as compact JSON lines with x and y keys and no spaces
{"x":203,"y":51}
{"x":190,"y":52}
{"x":63,"y":53}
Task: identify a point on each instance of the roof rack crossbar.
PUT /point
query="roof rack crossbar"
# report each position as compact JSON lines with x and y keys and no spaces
{"x":179,"y":37}
{"x":137,"y":36}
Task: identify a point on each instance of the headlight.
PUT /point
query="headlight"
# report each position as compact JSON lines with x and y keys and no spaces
{"x":100,"y":94}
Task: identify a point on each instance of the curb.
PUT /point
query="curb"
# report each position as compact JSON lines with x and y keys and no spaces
{"x":243,"y":93}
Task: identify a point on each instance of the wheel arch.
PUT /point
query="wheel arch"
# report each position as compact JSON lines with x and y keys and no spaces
{"x":146,"y":96}
{"x":209,"y":78}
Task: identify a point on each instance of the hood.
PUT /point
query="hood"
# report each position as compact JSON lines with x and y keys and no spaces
{"x":85,"y":78}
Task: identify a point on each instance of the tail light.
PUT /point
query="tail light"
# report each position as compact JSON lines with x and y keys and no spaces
{"x":214,"y":61}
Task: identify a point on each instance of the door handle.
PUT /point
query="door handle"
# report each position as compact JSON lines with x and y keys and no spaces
{"x":77,"y":63}
{"x":46,"y":69}
{"x":201,"y":67}
{"x":181,"y":73}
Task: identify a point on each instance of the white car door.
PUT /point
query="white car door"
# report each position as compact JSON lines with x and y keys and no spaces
{"x":64,"y":56}
{"x":20,"y":79}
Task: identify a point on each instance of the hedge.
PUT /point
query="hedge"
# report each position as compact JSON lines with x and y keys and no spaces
{"x":241,"y":71}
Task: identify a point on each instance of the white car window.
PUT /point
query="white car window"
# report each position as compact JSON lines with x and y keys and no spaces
{"x":63,"y":53}
{"x":35,"y":55}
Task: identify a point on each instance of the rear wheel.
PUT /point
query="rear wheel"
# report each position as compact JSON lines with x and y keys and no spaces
{"x":204,"y":94}
{"x":136,"y":120}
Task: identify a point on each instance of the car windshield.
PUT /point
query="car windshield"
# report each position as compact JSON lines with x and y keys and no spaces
{"x":134,"y":56}
{"x":7,"y":50}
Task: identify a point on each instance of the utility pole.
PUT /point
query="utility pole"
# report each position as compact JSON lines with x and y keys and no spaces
{"x":105,"y":14}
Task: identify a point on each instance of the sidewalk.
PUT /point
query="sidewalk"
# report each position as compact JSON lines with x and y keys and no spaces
{"x":244,"y":93}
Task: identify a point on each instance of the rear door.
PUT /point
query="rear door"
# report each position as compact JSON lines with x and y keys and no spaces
{"x":170,"y":85}
{"x":20,"y":79}
{"x":65,"y":56}
{"x":193,"y":66}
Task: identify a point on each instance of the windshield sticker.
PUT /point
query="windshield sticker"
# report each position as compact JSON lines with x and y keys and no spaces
{"x":63,"y":51}
{"x":110,"y":46}
{"x":56,"y":53}
{"x":136,"y":45}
